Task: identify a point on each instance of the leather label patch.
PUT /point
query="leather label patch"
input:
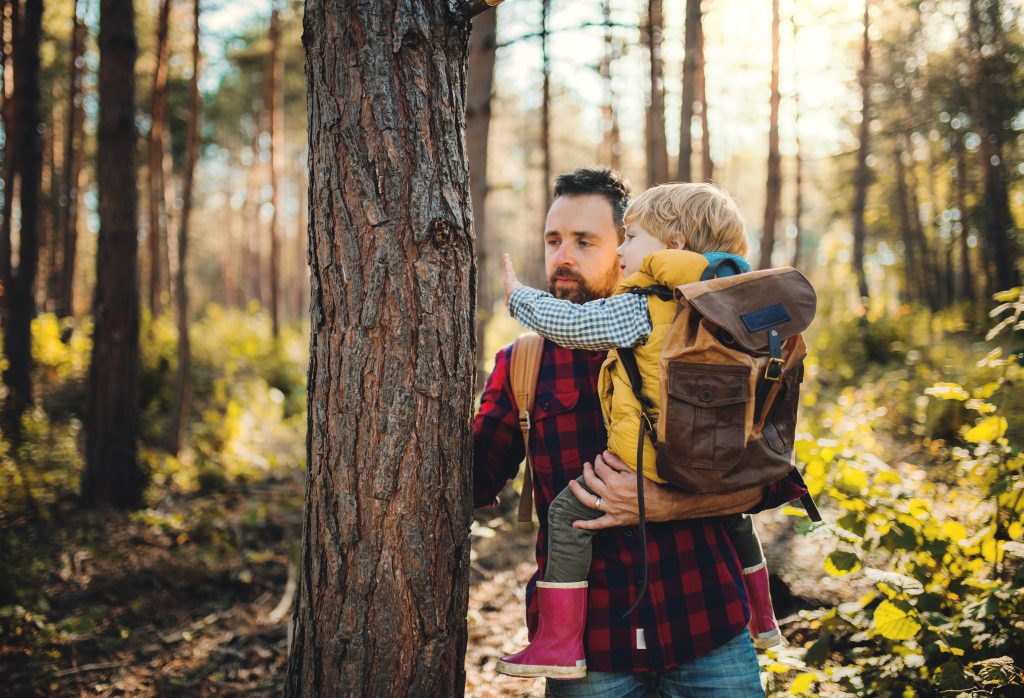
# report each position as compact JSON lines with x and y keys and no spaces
{"x":765,"y":317}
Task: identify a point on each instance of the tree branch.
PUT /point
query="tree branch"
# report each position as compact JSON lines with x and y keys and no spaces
{"x":475,"y":7}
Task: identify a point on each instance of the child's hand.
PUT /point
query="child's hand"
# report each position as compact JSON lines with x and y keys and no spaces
{"x":511,"y":282}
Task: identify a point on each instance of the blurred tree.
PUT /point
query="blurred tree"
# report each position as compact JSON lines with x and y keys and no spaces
{"x":273,"y":105}
{"x":534,"y":268}
{"x":11,"y":14}
{"x":609,"y":152}
{"x":181,"y":392}
{"x":385,"y":555}
{"x":773,"y":195}
{"x":691,"y":63}
{"x":482,"y":55}
{"x":862,"y":176}
{"x":113,"y":476}
{"x":70,"y":190}
{"x":657,"y":149}
{"x":20,"y":289}
{"x":798,"y":159}
{"x":707,"y":171}
{"x":156,"y":189}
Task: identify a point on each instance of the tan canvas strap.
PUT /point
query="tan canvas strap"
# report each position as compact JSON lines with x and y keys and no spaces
{"x":524,"y":369}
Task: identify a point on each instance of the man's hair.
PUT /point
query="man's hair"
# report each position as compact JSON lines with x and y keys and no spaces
{"x":700,"y":216}
{"x":597,"y":180}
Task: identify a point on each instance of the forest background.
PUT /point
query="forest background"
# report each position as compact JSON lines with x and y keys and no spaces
{"x":875,"y":146}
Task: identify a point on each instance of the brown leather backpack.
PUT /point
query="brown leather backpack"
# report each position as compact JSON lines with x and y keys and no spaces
{"x":729,"y":375}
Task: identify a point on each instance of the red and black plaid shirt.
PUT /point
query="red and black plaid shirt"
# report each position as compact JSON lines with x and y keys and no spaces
{"x":695,"y":599}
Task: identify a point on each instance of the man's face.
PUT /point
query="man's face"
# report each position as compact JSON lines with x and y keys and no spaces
{"x":580,"y":241}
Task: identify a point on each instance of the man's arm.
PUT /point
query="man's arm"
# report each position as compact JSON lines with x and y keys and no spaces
{"x":615,"y":483}
{"x":623,"y":320}
{"x":497,"y":440}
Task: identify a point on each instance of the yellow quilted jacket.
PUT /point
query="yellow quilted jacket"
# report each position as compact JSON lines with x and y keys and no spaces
{"x":620,"y":407}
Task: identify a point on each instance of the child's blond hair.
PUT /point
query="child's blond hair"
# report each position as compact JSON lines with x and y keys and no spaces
{"x":700,"y":217}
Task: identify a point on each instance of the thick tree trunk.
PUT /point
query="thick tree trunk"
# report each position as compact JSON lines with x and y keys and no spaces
{"x":657,"y":149}
{"x":862,"y":176}
{"x":155,"y":148}
{"x":72,"y":168}
{"x":381,"y":607}
{"x":11,"y":28}
{"x":691,"y":60}
{"x":112,"y":475}
{"x":707,"y":171}
{"x":181,"y":391}
{"x":773,"y":196}
{"x":274,"y":114}
{"x":21,"y":305}
{"x":482,"y":54}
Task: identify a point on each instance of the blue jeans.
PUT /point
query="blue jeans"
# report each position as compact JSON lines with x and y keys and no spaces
{"x":731,"y":671}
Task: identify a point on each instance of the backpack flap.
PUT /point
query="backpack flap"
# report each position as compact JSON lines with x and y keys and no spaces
{"x":748,"y":306}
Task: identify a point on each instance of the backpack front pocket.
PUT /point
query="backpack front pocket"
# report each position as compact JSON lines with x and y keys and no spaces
{"x":705,"y":415}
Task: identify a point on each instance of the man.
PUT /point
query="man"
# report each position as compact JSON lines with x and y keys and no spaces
{"x":688,"y":636}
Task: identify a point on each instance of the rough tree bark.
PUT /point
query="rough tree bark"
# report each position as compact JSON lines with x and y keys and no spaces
{"x":155,"y":170}
{"x":274,"y":114}
{"x":21,"y":307}
{"x":181,"y":391}
{"x":773,"y":195}
{"x":691,"y":41}
{"x":112,"y":475}
{"x":657,"y":149}
{"x":381,"y":606}
{"x":862,"y":176}
{"x":482,"y":54}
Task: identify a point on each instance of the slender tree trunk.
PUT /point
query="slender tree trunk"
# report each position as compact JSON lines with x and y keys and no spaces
{"x":482,"y":54}
{"x":253,"y":253}
{"x":20,"y":295}
{"x":707,"y":171}
{"x":609,"y":150}
{"x":112,"y":475}
{"x":966,"y":268}
{"x":862,"y":176}
{"x":181,"y":392}
{"x":691,"y":61}
{"x":535,"y":270}
{"x":274,"y":114}
{"x":381,"y":606}
{"x":927,"y":269}
{"x":73,"y":142}
{"x":48,"y":241}
{"x":10,"y":172}
{"x":774,"y":189}
{"x":912,"y":282}
{"x":657,"y":149}
{"x":798,"y":202}
{"x":155,"y":148}
{"x":998,"y":219}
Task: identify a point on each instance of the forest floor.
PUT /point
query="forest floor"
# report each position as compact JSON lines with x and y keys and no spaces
{"x":190,"y":597}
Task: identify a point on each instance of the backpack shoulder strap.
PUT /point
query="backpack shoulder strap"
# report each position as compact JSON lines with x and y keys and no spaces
{"x":524,"y":369}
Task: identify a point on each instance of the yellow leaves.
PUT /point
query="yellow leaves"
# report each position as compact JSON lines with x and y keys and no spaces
{"x":919,"y":509}
{"x":893,"y":623}
{"x":789,"y":510}
{"x":954,"y":531}
{"x":955,"y":651}
{"x":840,"y":564}
{"x":1009,"y":295}
{"x":777,"y":668}
{"x":1016,"y":530}
{"x":852,"y":479}
{"x":991,"y":551}
{"x":948,"y":391}
{"x":802,"y":684}
{"x":986,"y":391}
{"x":987,"y":429}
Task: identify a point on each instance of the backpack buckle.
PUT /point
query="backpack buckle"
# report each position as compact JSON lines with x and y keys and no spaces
{"x":647,"y":422}
{"x":524,"y":421}
{"x":773,"y":369}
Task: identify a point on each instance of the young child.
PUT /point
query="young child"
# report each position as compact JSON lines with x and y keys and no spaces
{"x":673,"y":232}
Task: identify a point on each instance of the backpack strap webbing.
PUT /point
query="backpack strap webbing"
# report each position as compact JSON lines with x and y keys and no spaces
{"x":524,"y":368}
{"x":662,"y":292}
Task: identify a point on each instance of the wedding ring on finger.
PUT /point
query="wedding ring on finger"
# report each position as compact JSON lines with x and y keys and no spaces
{"x":597,"y":503}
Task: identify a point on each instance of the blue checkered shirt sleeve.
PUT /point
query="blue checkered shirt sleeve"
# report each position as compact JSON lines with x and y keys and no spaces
{"x":622,"y":320}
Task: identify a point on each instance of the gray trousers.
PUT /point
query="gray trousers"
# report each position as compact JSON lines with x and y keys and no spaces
{"x":569,"y":549}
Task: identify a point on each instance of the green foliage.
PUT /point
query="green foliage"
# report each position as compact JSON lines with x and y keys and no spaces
{"x":941,"y":558}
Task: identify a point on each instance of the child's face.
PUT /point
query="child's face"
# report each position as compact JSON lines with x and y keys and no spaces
{"x":637,"y":245}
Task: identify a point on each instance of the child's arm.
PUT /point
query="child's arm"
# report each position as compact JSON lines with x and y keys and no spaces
{"x":622,"y":320}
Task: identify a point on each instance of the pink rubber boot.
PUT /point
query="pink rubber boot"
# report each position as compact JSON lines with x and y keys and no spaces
{"x":556,"y":650}
{"x":764,"y":629}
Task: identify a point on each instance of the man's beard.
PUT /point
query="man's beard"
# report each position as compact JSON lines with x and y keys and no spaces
{"x":583,"y":292}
